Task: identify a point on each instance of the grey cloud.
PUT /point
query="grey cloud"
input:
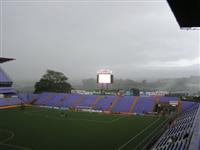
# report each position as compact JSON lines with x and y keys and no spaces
{"x":80,"y":40}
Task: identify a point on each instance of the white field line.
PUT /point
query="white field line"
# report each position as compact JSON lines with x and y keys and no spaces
{"x":114,"y":120}
{"x":130,"y":140}
{"x":9,"y":138}
{"x":16,"y":146}
{"x":56,"y":118}
{"x":12,"y":134}
{"x":149,"y":136}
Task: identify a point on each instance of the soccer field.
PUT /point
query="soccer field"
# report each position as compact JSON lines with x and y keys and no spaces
{"x":46,"y":129}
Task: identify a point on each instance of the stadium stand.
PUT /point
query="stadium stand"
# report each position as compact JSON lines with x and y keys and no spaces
{"x":54,"y":99}
{"x":28,"y":98}
{"x":8,"y":95}
{"x":144,"y":104}
{"x":124,"y":105}
{"x":134,"y":104}
{"x":179,"y":134}
{"x":87,"y":102}
{"x":93,"y":104}
{"x":195,"y":141}
{"x":7,"y":90}
{"x":42,"y":98}
{"x":114,"y":104}
{"x":71,"y":99}
{"x":105,"y":102}
{"x":78,"y":101}
{"x":9,"y":101}
{"x":186,"y":105}
{"x":61,"y":101}
{"x":167,"y":99}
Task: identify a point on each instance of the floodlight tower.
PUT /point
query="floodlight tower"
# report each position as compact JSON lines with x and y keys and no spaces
{"x":104,"y":78}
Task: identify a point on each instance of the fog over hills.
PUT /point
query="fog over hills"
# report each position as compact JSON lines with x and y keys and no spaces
{"x":186,"y":84}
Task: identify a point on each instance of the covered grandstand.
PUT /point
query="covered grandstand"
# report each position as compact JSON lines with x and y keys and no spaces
{"x":8,"y":95}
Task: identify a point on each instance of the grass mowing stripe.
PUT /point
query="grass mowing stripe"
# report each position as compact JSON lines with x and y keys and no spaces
{"x":149,"y":136}
{"x":122,"y":146}
{"x":76,"y":119}
{"x":55,"y":118}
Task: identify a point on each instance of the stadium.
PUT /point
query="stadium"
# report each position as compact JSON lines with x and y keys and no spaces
{"x":65,"y":120}
{"x":40,"y":121}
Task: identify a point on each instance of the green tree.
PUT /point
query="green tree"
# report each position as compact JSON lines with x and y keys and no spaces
{"x":53,"y":81}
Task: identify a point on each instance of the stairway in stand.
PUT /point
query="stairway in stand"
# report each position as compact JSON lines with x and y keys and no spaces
{"x":134,"y":104}
{"x":116,"y":100}
{"x":98,"y":98}
{"x":33,"y":101}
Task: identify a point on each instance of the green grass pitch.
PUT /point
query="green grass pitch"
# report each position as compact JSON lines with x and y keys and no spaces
{"x":45,"y":129}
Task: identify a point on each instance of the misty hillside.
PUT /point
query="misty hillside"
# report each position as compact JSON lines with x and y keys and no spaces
{"x":190,"y":85}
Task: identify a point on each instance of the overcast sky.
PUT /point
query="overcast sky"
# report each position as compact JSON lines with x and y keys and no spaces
{"x":133,"y":39}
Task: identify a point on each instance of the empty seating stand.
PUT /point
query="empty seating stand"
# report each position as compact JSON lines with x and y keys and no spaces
{"x":113,"y":104}
{"x":144,"y":104}
{"x":9,"y":101}
{"x":180,"y":132}
{"x":124,"y":104}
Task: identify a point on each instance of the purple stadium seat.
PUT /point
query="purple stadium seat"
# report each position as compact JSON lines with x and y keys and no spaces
{"x":104,"y":103}
{"x":124,"y":104}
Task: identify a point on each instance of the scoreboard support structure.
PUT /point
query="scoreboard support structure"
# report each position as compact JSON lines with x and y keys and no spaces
{"x":104,"y":78}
